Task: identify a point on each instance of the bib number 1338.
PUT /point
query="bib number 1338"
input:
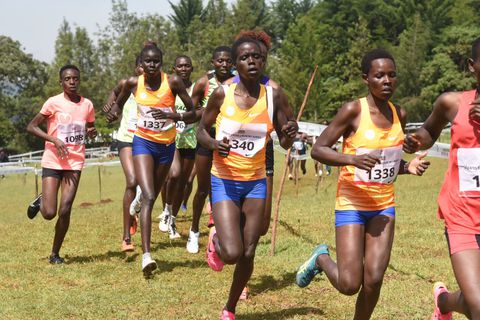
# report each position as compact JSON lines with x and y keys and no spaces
{"x":384,"y":172}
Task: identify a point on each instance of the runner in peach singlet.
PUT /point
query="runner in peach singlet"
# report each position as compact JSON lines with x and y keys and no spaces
{"x":459,"y":198}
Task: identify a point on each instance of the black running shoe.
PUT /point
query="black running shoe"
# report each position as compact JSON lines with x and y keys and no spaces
{"x":55,"y":259}
{"x":34,"y":207}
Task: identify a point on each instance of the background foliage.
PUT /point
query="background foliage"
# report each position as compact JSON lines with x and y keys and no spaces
{"x":430,"y":40}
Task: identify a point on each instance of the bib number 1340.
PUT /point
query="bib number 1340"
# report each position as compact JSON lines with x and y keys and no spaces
{"x":244,"y":145}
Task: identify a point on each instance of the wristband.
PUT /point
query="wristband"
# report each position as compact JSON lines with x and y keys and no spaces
{"x":405,"y":168}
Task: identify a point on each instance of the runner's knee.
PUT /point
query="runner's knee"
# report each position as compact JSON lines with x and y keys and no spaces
{"x":49,"y":213}
{"x":131,"y":182}
{"x":348,"y":285}
{"x":231,"y":255}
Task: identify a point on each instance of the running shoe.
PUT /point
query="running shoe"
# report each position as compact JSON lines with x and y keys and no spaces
{"x":308,"y":270}
{"x":208,"y":207}
{"x":184,"y":207}
{"x":192,"y":243}
{"x":210,"y":223}
{"x":133,"y":225}
{"x":136,"y":204}
{"x":34,"y":207}
{"x":438,"y":289}
{"x":213,"y":260}
{"x":290,"y":177}
{"x":172,"y":229}
{"x":227,"y":315}
{"x":164,"y":220}
{"x":55,"y":259}
{"x":148,"y":265}
{"x":127,"y":245}
{"x":244,"y":295}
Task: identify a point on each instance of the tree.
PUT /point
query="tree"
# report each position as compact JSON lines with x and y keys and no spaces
{"x":249,"y":14}
{"x":184,"y":12}
{"x":21,"y":83}
{"x":282,"y":13}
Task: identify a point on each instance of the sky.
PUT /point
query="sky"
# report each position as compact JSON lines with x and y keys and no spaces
{"x":35,"y":23}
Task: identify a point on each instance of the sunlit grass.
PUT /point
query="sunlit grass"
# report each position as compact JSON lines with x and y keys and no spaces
{"x":100,"y":282}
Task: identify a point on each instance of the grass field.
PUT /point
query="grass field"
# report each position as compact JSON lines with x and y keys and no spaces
{"x":100,"y":282}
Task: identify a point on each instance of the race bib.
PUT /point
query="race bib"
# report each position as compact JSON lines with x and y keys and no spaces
{"x":71,"y":133}
{"x":148,"y":122}
{"x":468,"y":160}
{"x":384,"y":172}
{"x":298,"y":145}
{"x":131,"y":125}
{"x":246,"y":139}
{"x":183,"y":127}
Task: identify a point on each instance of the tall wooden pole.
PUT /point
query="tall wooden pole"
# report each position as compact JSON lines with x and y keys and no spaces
{"x":285,"y":171}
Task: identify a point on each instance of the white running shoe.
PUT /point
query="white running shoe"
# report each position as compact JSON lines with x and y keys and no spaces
{"x":172,"y":229}
{"x":148,"y":264}
{"x":136,"y":204}
{"x":192,"y":243}
{"x":164,"y":221}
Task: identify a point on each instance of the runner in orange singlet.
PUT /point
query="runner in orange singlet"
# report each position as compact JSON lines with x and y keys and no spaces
{"x":372,"y":129}
{"x":459,"y":198}
{"x":154,"y":138}
{"x":244,"y":113}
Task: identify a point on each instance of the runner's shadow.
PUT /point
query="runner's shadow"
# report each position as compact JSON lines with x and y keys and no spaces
{"x":98,"y":257}
{"x":295,"y":233}
{"x":284,"y":314}
{"x":166,"y":244}
{"x":268,"y":283}
{"x":169,"y":266}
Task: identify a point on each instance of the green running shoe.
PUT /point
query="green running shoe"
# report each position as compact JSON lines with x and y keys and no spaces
{"x":308,"y":270}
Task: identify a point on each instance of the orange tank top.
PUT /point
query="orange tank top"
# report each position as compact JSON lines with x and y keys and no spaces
{"x":247,"y":131}
{"x":371,"y":190}
{"x":159,"y":131}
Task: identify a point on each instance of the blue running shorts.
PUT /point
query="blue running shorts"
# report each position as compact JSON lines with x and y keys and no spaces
{"x":345,"y":217}
{"x":236,"y":191}
{"x":161,"y":153}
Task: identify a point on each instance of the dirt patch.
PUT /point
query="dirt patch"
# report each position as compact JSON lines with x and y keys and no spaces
{"x":106,"y":200}
{"x":86,"y":204}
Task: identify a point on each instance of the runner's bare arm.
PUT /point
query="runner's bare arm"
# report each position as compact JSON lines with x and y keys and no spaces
{"x":127,"y":89}
{"x":341,"y":124}
{"x":208,"y":119}
{"x":113,"y":96}
{"x":178,"y":88}
{"x":444,"y":111}
{"x":283,"y":120}
{"x":91,"y":130}
{"x":33,"y":128}
{"x":198,"y":94}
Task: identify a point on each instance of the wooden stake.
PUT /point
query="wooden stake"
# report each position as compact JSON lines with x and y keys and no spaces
{"x":99,"y":185}
{"x":285,"y":171}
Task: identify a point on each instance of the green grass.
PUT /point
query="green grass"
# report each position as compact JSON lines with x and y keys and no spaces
{"x":100,"y":282}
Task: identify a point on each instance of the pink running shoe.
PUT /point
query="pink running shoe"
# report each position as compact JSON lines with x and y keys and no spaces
{"x":439,"y":288}
{"x":244,"y":295}
{"x":210,"y":220}
{"x":213,"y":260}
{"x":227,"y":315}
